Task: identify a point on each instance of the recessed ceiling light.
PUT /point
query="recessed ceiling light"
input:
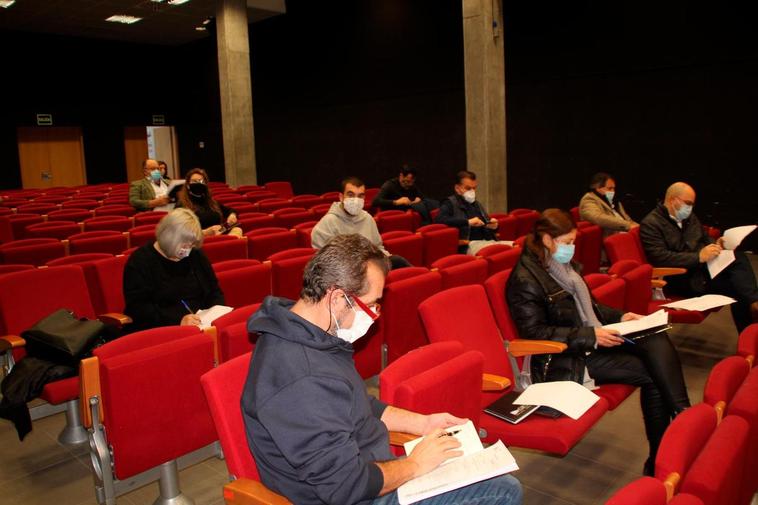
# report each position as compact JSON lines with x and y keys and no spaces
{"x":177,"y":2}
{"x":6,"y":3}
{"x":200,"y":29}
{"x":121,"y":18}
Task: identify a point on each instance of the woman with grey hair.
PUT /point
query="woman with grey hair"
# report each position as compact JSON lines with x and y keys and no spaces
{"x":168,"y":280}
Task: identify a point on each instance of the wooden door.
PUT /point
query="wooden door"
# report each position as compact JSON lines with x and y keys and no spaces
{"x":135,"y":146}
{"x":51,"y":156}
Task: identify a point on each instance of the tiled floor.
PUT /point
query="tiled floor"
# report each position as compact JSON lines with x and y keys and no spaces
{"x":39,"y":471}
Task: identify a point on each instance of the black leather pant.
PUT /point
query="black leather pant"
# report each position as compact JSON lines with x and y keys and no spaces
{"x":653,"y":365}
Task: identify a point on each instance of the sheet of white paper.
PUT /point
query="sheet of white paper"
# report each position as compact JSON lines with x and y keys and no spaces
{"x":720,"y":262}
{"x":659,"y":318}
{"x":466,"y":435}
{"x":569,"y":397}
{"x":734,"y":236}
{"x":490,"y":462}
{"x":207,"y":316}
{"x":704,"y":302}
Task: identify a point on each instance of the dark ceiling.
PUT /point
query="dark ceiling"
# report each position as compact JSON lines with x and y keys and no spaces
{"x":161,"y":24}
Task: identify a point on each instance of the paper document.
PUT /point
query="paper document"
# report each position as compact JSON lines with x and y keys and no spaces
{"x":654,"y":320}
{"x":207,"y":316}
{"x":466,"y":434}
{"x":569,"y":397}
{"x":701,"y":303}
{"x":490,"y":462}
{"x":720,"y":262}
{"x":733,"y":237}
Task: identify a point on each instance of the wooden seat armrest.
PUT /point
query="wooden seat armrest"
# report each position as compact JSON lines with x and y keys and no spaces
{"x":657,"y":283}
{"x":664,"y":271}
{"x":720,"y":407}
{"x":463,"y":242}
{"x":492,"y":382}
{"x":251,"y":492}
{"x":671,"y":483}
{"x":115,"y":319}
{"x":89,"y":387}
{"x":524,"y":347}
{"x":398,"y":438}
{"x":14,"y":340}
{"x":750,"y":359}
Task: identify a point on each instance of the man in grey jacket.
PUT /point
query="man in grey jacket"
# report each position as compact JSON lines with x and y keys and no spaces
{"x":347,"y":216}
{"x":601,"y":207}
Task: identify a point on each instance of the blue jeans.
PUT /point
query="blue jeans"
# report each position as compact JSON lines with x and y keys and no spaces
{"x":503,"y":490}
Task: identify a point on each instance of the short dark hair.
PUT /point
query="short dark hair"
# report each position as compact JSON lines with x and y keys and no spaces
{"x":552,"y":222}
{"x":350,"y":180}
{"x":163,"y":163}
{"x":464,"y":174}
{"x":341,"y":263}
{"x":406,"y":171}
{"x":599,"y":179}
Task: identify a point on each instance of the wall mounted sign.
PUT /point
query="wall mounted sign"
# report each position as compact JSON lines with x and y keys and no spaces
{"x":44,"y":120}
{"x":159,"y":119}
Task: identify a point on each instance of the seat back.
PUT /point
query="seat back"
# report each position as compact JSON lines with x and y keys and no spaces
{"x":35,"y":251}
{"x":461,"y":269}
{"x":440,"y":377}
{"x":288,"y":217}
{"x":81,"y":203}
{"x":747,"y":344}
{"x":103,"y":241}
{"x":223,"y":266}
{"x":75,"y":215}
{"x":225,"y":250}
{"x":725,"y":379}
{"x":441,"y":317}
{"x":393,"y":220}
{"x":684,"y":439}
{"x":147,"y":422}
{"x":283,"y":189}
{"x":525,"y":219}
{"x":589,"y":244}
{"x":255,"y":221}
{"x":406,"y":244}
{"x":270,"y":204}
{"x":20,"y":221}
{"x":507,"y":226}
{"x":495,"y":288}
{"x":109,"y":275}
{"x":223,"y":389}
{"x":287,"y":272}
{"x":148,"y":217}
{"x":637,"y":279}
{"x":115,"y":210}
{"x":141,"y":235}
{"x":264,"y":242}
{"x":744,"y":405}
{"x":28,"y":296}
{"x":623,"y":246}
{"x":78,"y":259}
{"x":232,"y":334}
{"x":305,"y":201}
{"x":607,"y":290}
{"x":52,"y":229}
{"x":246,"y":285}
{"x":499,"y":257}
{"x":403,"y":330}
{"x":114,"y":223}
{"x":439,"y":241}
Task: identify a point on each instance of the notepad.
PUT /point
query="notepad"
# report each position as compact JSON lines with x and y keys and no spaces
{"x":504,"y":408}
{"x":207,"y":316}
{"x":701,"y":303}
{"x":569,"y":397}
{"x":652,"y":323}
{"x":484,"y":464}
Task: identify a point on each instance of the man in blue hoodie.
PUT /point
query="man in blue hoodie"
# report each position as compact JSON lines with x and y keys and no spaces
{"x":316,"y":435}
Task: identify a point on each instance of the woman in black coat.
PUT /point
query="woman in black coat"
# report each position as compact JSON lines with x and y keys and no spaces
{"x":549,"y":300}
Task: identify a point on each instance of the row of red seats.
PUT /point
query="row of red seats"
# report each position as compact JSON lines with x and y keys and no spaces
{"x":709,"y":453}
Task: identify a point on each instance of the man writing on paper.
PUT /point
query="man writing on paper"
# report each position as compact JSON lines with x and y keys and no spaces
{"x":316,"y":435}
{"x":672,"y":236}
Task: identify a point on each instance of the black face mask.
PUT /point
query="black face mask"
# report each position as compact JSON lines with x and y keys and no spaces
{"x":198,"y":190}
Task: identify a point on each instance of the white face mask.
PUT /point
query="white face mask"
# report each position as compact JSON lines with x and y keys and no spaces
{"x":469,"y":196}
{"x":183,"y":252}
{"x":353,"y":205}
{"x":361,"y":323}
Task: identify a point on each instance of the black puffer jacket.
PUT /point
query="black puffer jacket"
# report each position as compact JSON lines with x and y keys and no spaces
{"x":543,"y":310}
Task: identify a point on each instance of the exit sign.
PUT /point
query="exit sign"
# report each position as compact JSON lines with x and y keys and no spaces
{"x":44,"y":120}
{"x":159,"y":119}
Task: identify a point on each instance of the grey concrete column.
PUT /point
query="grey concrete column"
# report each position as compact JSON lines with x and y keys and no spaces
{"x":484,"y":68}
{"x":236,"y":92}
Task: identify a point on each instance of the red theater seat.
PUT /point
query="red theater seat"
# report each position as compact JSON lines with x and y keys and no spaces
{"x":589,"y":245}
{"x":148,"y":217}
{"x":264,"y":242}
{"x":271,"y":204}
{"x":224,"y":249}
{"x":499,"y":257}
{"x":36,"y":208}
{"x":141,"y":235}
{"x":525,"y":219}
{"x":283,"y":189}
{"x":287,"y":271}
{"x":406,"y":244}
{"x":246,"y":285}
{"x":35,"y":251}
{"x":461,"y":269}
{"x":108,"y":223}
{"x":288,"y":217}
{"x":76,"y":203}
{"x":19,"y":222}
{"x":115,"y":210}
{"x":105,"y":241}
{"x":255,"y":221}
{"x":439,"y":241}
{"x":59,"y":230}
{"x":306,"y":201}
{"x":75,"y":215}
{"x":394,"y":220}
{"x":232,"y":335}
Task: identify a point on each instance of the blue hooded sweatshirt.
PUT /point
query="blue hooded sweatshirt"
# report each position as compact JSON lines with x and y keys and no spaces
{"x":314,"y":431}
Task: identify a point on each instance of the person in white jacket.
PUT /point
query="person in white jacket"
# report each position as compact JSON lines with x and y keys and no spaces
{"x":347,"y":216}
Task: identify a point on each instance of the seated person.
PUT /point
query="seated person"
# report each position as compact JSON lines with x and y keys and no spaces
{"x":215,"y":217}
{"x":163,"y":167}
{"x":151,"y":191}
{"x":672,"y":236}
{"x":167,"y":281}
{"x":549,"y":300}
{"x":601,"y":207}
{"x":401,"y":193}
{"x":347,"y":216}
{"x":316,"y":435}
{"x":462,"y":211}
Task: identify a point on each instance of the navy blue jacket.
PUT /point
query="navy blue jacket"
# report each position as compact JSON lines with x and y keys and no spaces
{"x":455,"y":211}
{"x":314,"y":431}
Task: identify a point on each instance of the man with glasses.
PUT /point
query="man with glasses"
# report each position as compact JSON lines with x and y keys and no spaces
{"x":316,"y":435}
{"x":672,"y":236}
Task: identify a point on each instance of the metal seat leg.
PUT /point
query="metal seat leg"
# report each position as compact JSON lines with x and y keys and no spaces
{"x":169,"y":486}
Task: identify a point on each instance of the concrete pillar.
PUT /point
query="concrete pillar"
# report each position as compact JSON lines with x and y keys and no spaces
{"x":484,"y":67}
{"x":236,"y":92}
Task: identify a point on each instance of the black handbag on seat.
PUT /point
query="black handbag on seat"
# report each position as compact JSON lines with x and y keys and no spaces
{"x":62,"y":338}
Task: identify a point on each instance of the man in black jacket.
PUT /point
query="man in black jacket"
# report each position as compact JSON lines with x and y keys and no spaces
{"x":316,"y":435}
{"x":401,"y":193}
{"x":672,"y":236}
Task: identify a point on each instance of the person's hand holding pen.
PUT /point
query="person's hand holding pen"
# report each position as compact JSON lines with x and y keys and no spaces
{"x":190,"y":319}
{"x":436,"y":448}
{"x":440,"y":420}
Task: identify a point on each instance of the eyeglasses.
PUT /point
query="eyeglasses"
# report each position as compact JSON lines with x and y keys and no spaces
{"x":373,"y":310}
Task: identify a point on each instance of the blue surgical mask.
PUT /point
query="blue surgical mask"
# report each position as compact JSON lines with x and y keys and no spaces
{"x":155,"y":175}
{"x":683,"y":212}
{"x":609,"y":196}
{"x":564,"y":253}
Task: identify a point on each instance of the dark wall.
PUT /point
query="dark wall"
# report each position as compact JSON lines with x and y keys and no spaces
{"x":651,"y":92}
{"x":359,"y":88}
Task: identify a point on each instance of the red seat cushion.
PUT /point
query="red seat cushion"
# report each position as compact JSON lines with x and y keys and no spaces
{"x":61,"y":391}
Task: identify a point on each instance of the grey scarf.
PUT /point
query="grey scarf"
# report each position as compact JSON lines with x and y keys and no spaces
{"x":568,"y":279}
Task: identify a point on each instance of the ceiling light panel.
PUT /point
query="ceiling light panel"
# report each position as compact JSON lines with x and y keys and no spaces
{"x":6,"y":3}
{"x":122,"y":18}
